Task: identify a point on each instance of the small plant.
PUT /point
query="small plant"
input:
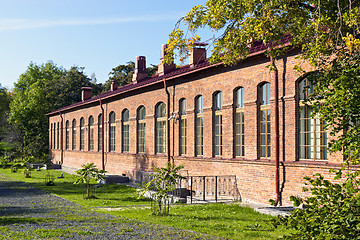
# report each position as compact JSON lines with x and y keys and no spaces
{"x":49,"y":179}
{"x":163,"y":182}
{"x":89,"y":171}
{"x":15,"y":168}
{"x":27,"y":172}
{"x":4,"y":162}
{"x":28,"y":159}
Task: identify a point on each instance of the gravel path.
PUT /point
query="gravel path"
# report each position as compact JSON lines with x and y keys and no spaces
{"x":28,"y":213}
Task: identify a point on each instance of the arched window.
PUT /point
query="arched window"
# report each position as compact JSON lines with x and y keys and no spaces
{"x":125,"y":130}
{"x":51,"y":136}
{"x":313,"y":137}
{"x":182,"y":136}
{"x":239,"y":123}
{"x":100,"y":133}
{"x":67,"y":135}
{"x":54,"y":134}
{"x":112,"y":132}
{"x":141,"y":127}
{"x":73,"y":134}
{"x":218,"y":123}
{"x":91,"y":134}
{"x":58,"y":136}
{"x":199,"y":134}
{"x":82,"y":133}
{"x":160,"y":119}
{"x":265,"y":130}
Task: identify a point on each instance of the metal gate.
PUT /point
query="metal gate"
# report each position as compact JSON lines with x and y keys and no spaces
{"x":208,"y":189}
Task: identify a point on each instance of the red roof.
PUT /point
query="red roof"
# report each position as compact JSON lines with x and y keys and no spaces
{"x":257,"y":48}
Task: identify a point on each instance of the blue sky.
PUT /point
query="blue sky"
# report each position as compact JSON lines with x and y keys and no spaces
{"x":94,"y":34}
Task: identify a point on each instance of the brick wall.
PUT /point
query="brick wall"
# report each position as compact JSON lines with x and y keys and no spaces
{"x":255,"y":177}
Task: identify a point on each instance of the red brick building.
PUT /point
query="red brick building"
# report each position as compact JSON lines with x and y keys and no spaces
{"x":221,"y":122}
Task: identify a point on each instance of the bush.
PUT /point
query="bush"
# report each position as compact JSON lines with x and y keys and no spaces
{"x":331,"y":212}
{"x":4,"y":162}
{"x":163,"y":182}
{"x":27,"y":172}
{"x":88,"y":172}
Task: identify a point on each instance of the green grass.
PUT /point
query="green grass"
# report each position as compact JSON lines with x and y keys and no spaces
{"x":112,"y":195}
{"x":219,"y":219}
{"x":224,"y":220}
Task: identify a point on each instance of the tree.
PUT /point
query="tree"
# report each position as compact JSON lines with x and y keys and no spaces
{"x":317,"y":27}
{"x":123,"y":74}
{"x":163,"y":182}
{"x":32,"y":100}
{"x":5,"y":99}
{"x":85,"y":174}
{"x":327,"y":33}
{"x":331,"y":212}
{"x":40,"y":90}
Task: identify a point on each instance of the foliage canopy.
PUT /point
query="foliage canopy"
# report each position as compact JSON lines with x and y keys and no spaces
{"x":40,"y":90}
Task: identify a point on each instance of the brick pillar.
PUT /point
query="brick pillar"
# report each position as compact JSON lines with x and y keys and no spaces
{"x":150,"y":132}
{"x":132,"y":135}
{"x":227,"y":131}
{"x":190,"y":118}
{"x":251,"y":132}
{"x":208,"y":131}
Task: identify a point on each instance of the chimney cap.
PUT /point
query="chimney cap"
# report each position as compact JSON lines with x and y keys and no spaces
{"x":200,"y":44}
{"x":86,"y":88}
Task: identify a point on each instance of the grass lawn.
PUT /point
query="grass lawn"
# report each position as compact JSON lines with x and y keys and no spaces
{"x":224,"y":220}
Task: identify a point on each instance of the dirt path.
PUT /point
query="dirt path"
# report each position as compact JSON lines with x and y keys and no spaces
{"x":28,"y":213}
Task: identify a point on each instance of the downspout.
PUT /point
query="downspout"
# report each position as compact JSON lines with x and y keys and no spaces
{"x":61,"y":139}
{"x":277,"y":134}
{"x":167,"y":121}
{"x":102,"y":138}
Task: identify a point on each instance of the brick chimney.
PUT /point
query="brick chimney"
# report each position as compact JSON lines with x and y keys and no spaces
{"x":86,"y":93}
{"x":114,"y":85}
{"x":164,"y":68}
{"x":197,"y":53}
{"x":140,"y":69}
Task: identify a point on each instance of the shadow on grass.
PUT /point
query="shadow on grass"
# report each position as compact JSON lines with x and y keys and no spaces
{"x":12,"y":211}
{"x":20,"y":220}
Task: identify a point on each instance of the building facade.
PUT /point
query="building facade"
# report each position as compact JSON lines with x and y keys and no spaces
{"x":221,"y":123}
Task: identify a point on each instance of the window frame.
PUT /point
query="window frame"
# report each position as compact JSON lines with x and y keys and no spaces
{"x":112,"y":131}
{"x":217,"y":124}
{"x":100,"y":132}
{"x":91,"y":133}
{"x":73,"y":135}
{"x":141,"y":130}
{"x":67,"y":135}
{"x":182,"y":127}
{"x":239,"y":125}
{"x":160,"y":129}
{"x":125,"y":130}
{"x":82,"y":134}
{"x":310,"y":127}
{"x":264,"y":110}
{"x":199,"y":126}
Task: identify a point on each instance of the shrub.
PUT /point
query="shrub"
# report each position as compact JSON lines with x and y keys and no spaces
{"x":89,"y":171}
{"x":163,"y":182}
{"x":4,"y":162}
{"x":27,"y":172}
{"x":331,"y":212}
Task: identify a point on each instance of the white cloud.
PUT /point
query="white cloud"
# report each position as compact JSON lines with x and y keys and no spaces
{"x":22,"y":24}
